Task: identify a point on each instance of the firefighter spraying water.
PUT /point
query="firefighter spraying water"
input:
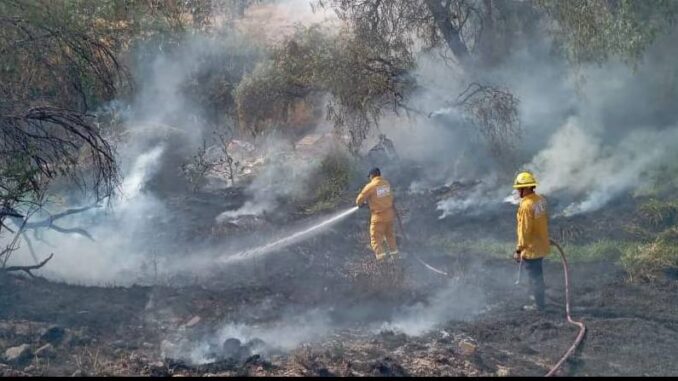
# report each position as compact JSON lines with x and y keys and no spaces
{"x":532,"y":236}
{"x":378,"y":196}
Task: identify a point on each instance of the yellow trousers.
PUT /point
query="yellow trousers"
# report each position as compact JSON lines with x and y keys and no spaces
{"x":380,"y":231}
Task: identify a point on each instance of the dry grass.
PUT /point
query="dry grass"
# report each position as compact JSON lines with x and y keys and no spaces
{"x":658,"y":213}
{"x":91,"y":362}
{"x":647,"y":262}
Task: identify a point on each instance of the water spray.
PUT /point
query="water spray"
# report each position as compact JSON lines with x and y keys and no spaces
{"x":284,"y":242}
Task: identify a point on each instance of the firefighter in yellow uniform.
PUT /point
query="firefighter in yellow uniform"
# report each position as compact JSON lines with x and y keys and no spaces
{"x":533,"y":235}
{"x":378,"y":195}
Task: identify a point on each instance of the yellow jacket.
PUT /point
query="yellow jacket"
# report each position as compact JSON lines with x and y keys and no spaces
{"x":379,"y":197}
{"x":533,"y":230}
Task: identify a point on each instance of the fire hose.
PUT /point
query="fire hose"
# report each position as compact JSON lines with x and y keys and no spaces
{"x":582,"y":328}
{"x":402,"y":231}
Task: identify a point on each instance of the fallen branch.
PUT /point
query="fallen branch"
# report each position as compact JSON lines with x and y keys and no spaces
{"x":28,"y":269}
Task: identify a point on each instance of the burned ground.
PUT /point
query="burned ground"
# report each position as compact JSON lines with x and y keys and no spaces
{"x":159,"y":148}
{"x":310,"y":309}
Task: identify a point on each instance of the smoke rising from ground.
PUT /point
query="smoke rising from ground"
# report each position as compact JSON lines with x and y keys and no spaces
{"x":283,"y":175}
{"x":585,"y":166}
{"x":115,"y":255}
{"x":453,"y":301}
{"x":586,"y":142}
{"x":284,"y":334}
{"x":589,"y":135}
{"x":160,"y":129}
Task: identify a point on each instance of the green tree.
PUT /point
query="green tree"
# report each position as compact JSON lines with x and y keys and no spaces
{"x":595,"y":30}
{"x":359,"y":81}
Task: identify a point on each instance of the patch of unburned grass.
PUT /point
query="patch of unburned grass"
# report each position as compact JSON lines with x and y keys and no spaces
{"x":658,"y":212}
{"x":488,"y":247}
{"x":642,"y":260}
{"x":595,"y":251}
{"x":648,"y":261}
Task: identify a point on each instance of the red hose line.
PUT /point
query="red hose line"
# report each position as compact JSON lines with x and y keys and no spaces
{"x":582,"y":328}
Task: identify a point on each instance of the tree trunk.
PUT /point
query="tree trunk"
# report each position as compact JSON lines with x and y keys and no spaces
{"x":491,"y":45}
{"x":441,"y":17}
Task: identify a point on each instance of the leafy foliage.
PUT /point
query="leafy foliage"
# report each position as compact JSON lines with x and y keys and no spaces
{"x":358,"y":81}
{"x":48,"y":142}
{"x":331,"y":181}
{"x":51,"y":55}
{"x":478,"y":31}
{"x":217,"y":72}
{"x":594,"y":30}
{"x":588,"y":30}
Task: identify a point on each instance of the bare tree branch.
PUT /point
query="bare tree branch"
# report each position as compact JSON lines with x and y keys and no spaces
{"x":50,"y":141}
{"x":494,"y":111}
{"x":28,"y":269}
{"x":49,"y":222}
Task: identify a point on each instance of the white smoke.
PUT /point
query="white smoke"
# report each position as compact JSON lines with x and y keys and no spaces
{"x":455,"y":301}
{"x":250,"y":208}
{"x":140,"y":172}
{"x":588,"y":141}
{"x":587,"y":166}
{"x":283,"y":175}
{"x":114,"y":256}
{"x":454,"y":205}
{"x":285,"y":334}
{"x":475,"y":202}
{"x":159,"y":127}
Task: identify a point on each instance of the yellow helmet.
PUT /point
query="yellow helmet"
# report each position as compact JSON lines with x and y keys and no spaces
{"x":524,"y":180}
